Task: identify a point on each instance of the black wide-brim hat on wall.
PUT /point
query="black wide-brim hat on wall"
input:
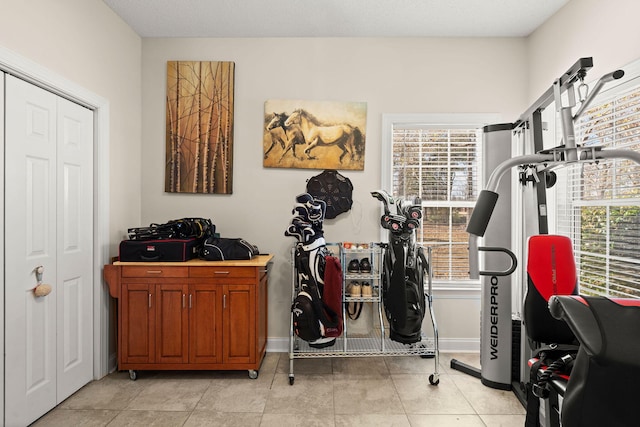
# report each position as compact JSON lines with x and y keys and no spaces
{"x":334,"y":189}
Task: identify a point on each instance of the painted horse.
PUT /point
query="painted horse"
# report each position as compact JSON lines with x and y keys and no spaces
{"x":348,"y":138}
{"x":292,"y":135}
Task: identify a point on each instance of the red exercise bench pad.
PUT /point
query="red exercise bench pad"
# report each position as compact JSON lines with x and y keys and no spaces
{"x":551,"y":266}
{"x":550,"y":271}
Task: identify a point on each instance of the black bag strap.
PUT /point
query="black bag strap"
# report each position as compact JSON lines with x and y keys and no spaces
{"x":533,"y":402}
{"x":357,"y":309}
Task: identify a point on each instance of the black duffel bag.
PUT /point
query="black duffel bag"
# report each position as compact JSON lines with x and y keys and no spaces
{"x":224,"y":249}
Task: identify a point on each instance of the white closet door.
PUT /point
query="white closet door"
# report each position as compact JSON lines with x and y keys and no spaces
{"x":48,"y":223}
{"x":2,"y":323}
{"x":74,"y":283}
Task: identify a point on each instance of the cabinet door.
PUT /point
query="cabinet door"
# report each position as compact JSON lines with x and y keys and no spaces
{"x":205,"y":323}
{"x":137,"y":330}
{"x":239,"y":304}
{"x":172,"y":324}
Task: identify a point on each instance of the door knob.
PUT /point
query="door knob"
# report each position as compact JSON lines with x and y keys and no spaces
{"x":41,"y":289}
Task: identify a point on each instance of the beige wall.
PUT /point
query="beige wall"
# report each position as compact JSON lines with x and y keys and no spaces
{"x":391,"y":75}
{"x":608,"y":31}
{"x":86,"y":43}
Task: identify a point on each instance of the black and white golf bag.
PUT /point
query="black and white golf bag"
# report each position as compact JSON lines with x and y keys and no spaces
{"x":404,"y":269}
{"x":316,"y":307}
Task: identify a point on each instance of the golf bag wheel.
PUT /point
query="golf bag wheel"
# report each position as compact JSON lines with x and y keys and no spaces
{"x":253,"y":374}
{"x":133,"y":375}
{"x":434,"y":379}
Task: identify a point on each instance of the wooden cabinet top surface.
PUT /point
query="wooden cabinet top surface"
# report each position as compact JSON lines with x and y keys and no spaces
{"x":203,"y":269}
{"x":256,"y":261}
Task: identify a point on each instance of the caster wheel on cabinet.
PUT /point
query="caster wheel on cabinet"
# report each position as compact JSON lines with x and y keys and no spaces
{"x":253,"y":374}
{"x":133,"y":375}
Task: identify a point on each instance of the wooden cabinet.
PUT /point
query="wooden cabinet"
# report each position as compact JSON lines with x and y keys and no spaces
{"x":191,"y":315}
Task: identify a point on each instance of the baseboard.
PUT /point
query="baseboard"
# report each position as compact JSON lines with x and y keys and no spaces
{"x":446,"y":345}
{"x":460,"y":345}
{"x":278,"y":345}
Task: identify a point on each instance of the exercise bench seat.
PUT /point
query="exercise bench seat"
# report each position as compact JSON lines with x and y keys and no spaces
{"x":604,"y":385}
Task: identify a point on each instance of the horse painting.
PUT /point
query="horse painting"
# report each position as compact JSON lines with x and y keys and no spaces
{"x":288,"y":136}
{"x":348,"y":138}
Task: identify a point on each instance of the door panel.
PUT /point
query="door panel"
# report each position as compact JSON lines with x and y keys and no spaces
{"x":172,"y":324}
{"x":205,"y":317}
{"x":38,"y":206}
{"x":2,"y":233}
{"x":137,"y":341}
{"x":240,"y":332}
{"x":30,"y":153}
{"x":74,"y":235}
{"x":39,"y":373}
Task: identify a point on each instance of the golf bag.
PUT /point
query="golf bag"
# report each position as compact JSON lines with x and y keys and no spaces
{"x":316,"y":309}
{"x":404,"y":270}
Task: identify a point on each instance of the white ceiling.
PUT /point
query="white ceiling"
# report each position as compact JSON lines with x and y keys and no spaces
{"x":335,"y":18}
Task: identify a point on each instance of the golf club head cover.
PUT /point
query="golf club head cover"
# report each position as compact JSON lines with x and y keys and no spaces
{"x":387,"y":200}
{"x":414,"y":212}
{"x":411,"y":225}
{"x":293,"y":231}
{"x":311,"y":209}
{"x":393,"y":223}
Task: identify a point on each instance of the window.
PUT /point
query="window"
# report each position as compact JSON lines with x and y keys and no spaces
{"x":599,"y":207}
{"x":436,"y":158}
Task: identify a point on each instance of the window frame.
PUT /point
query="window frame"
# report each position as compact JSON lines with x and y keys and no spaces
{"x":441,"y":121}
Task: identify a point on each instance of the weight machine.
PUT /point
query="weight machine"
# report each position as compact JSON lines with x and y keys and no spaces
{"x":500,"y":359}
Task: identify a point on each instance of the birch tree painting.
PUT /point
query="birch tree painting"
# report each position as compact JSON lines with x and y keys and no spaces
{"x":199,"y":129}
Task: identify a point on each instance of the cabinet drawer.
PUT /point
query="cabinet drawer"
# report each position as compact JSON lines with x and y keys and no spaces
{"x":222,"y":272}
{"x":152,"y":271}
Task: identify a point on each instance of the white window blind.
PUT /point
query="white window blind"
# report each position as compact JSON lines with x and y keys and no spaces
{"x":599,"y":207}
{"x":440,"y":166}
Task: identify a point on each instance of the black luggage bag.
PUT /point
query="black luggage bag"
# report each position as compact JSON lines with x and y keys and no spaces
{"x":165,"y":250}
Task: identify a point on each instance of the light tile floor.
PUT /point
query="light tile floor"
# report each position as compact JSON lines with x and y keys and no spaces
{"x":372,"y":391}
